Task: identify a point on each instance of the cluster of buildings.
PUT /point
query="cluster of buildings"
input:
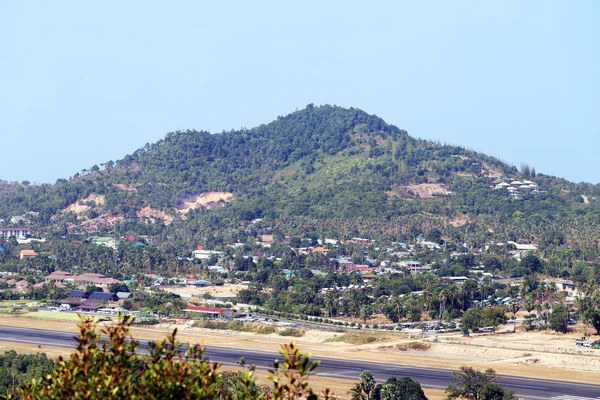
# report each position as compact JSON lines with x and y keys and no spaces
{"x":518,"y":188}
{"x":94,"y":301}
{"x":62,"y":277}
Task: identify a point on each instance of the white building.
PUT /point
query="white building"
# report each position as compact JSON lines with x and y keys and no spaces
{"x":19,"y":233}
{"x":206,"y":254}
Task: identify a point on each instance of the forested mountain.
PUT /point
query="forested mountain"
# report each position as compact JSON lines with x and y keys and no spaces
{"x":344,"y":168}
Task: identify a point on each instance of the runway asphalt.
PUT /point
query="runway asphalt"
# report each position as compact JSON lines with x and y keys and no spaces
{"x":525,"y":388}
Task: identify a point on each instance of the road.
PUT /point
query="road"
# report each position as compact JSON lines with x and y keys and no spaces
{"x":526,"y":388}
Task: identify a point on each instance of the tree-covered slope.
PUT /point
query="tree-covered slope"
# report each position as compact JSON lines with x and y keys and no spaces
{"x":326,"y":163}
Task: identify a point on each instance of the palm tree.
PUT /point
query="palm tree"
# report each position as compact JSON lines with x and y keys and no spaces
{"x":365,"y":313}
{"x":330,"y":300}
{"x":442,"y":298}
{"x":529,"y":305}
{"x":241,"y":361}
{"x":427,"y":300}
{"x":363,"y":389}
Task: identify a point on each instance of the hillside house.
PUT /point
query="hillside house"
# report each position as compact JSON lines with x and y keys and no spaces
{"x":19,"y":233}
{"x":27,"y":254}
{"x":109,"y":242}
{"x":206,"y":254}
{"x":321,"y":250}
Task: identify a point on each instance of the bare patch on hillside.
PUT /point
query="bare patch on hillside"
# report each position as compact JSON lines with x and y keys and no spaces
{"x":208,"y":200}
{"x":148,"y":212}
{"x":80,"y":208}
{"x":459,"y":220}
{"x":422,"y":190}
{"x":586,"y":200}
{"x":490,"y":171}
{"x":125,"y":187}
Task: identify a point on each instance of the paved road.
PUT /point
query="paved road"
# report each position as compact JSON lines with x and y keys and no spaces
{"x":340,"y":368}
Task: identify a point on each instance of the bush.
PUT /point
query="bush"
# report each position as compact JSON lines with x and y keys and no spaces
{"x":294,"y":332}
{"x":114,"y":370}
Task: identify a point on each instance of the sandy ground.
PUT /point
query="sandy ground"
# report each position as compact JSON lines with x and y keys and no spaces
{"x":227,"y":290}
{"x":530,"y":354}
{"x":208,"y":200}
{"x":80,"y":209}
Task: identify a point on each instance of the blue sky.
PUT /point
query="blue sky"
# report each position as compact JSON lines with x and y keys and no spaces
{"x":86,"y":82}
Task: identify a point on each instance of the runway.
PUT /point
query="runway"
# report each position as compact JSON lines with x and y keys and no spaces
{"x":526,"y":388}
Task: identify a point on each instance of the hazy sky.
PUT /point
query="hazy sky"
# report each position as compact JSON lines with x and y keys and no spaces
{"x":84,"y":82}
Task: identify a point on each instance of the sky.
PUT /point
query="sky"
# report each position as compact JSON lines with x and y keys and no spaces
{"x":84,"y":82}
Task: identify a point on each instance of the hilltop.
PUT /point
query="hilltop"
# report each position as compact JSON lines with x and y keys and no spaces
{"x":347,"y":169}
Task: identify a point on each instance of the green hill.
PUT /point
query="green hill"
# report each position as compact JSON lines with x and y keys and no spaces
{"x":328,"y":166}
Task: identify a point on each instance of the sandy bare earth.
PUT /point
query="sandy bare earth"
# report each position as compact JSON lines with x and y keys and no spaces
{"x":227,"y":290}
{"x":536,"y":354}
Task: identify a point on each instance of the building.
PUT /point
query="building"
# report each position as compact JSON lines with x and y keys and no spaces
{"x":109,"y":242}
{"x":19,"y":233}
{"x":206,"y":254}
{"x":211,"y":313}
{"x":455,"y":280}
{"x":27,"y":254}
{"x":86,"y":279}
{"x":200,"y":283}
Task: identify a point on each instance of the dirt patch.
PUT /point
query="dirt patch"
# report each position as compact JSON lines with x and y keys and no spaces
{"x":227,"y":290}
{"x":491,"y":172}
{"x":586,"y":200}
{"x":148,"y":212}
{"x":81,"y":208}
{"x":459,"y":220}
{"x":125,"y":187}
{"x":361,"y":338}
{"x":207,"y":200}
{"x":422,"y":190}
{"x":413,"y":346}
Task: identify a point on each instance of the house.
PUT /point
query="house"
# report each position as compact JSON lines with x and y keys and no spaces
{"x":200,"y":283}
{"x":103,"y":296}
{"x":16,"y":220}
{"x":79,"y":294}
{"x":524,"y":247}
{"x":347,"y":266}
{"x":206,"y":254}
{"x":27,"y":254}
{"x":357,"y":240}
{"x":216,"y":268}
{"x":124,"y":295}
{"x":109,"y":242}
{"x":19,"y":233}
{"x":321,"y":250}
{"x":90,"y":278}
{"x":567,"y":287}
{"x":211,"y":313}
{"x":455,"y":280}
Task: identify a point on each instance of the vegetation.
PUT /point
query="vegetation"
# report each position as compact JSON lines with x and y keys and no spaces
{"x":351,"y":171}
{"x":468,"y":383}
{"x":393,"y":389}
{"x":360,"y":337}
{"x":115,"y":370}
{"x":17,"y":369}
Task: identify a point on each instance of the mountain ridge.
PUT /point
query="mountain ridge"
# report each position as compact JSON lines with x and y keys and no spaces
{"x":324,"y":163}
